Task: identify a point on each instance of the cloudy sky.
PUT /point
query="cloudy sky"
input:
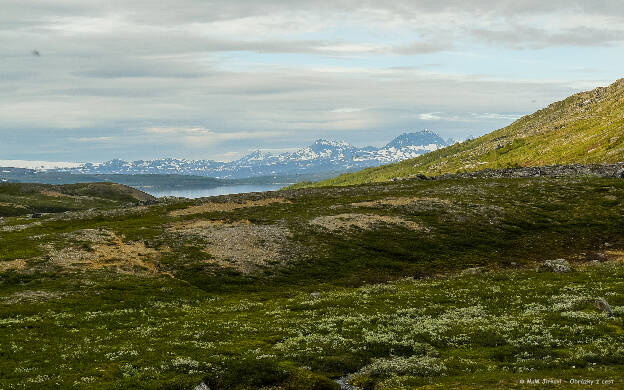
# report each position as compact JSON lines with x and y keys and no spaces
{"x":95,"y":80}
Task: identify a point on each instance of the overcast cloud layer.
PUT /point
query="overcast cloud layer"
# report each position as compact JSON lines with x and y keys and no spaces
{"x":95,"y":80}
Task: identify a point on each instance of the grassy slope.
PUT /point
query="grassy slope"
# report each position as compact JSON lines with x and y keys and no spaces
{"x":21,"y":199}
{"x":585,"y":128}
{"x":119,"y":327}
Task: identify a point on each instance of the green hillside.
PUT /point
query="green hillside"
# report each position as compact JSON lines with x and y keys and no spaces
{"x":28,"y":198}
{"x":587,"y":127}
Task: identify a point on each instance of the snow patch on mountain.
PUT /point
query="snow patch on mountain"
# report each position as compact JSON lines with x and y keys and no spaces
{"x":322,"y":156}
{"x":43,"y":165}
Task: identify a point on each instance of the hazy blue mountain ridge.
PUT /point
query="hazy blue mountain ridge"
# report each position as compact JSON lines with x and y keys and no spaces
{"x":321,"y":156}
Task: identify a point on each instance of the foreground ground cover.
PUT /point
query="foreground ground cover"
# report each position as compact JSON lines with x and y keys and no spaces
{"x":405,"y":285}
{"x":490,"y":329}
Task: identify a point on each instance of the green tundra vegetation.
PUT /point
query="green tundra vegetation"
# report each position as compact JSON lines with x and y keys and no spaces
{"x":32,"y":198}
{"x":587,"y":128}
{"x":409,"y":284}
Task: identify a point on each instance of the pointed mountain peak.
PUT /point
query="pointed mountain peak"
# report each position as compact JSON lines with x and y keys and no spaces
{"x":322,"y":145}
{"x":255,"y":155}
{"x":327,"y":143}
{"x":420,"y":138}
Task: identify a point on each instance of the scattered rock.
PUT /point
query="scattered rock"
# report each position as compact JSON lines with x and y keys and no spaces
{"x":243,"y":246}
{"x":603,"y":305}
{"x":472,"y":271}
{"x":201,"y":386}
{"x":601,"y":170}
{"x":419,"y":176}
{"x":557,"y":265}
{"x":344,"y":384}
{"x":599,"y":257}
{"x":16,"y":228}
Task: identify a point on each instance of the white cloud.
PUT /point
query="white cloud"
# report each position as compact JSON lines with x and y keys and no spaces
{"x":93,"y":139}
{"x":208,"y":75}
{"x":347,"y":110}
{"x":429,"y":116}
{"x":199,"y":136}
{"x":492,"y":115}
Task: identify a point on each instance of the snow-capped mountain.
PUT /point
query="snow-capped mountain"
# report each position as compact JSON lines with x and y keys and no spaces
{"x":321,"y":156}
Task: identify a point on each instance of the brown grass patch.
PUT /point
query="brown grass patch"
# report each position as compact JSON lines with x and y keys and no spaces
{"x":104,"y":249}
{"x":616,"y":255}
{"x":397,"y":202}
{"x":205,"y":223}
{"x":225,"y":206}
{"x":54,"y":194}
{"x":361,"y":221}
{"x":18,"y":264}
{"x":15,"y":205}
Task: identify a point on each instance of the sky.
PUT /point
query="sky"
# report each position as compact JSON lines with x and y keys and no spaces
{"x":199,"y":79}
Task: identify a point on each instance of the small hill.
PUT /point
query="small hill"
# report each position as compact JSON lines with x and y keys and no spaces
{"x":586,"y":128}
{"x":32,"y":198}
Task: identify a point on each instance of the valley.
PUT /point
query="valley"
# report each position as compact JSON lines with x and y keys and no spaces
{"x":414,"y":283}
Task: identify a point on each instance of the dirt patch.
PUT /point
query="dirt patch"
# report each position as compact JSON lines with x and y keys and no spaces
{"x":226,"y":206}
{"x":397,"y":202}
{"x":14,"y":205}
{"x":94,"y":213}
{"x":616,"y":255}
{"x":17,"y":228}
{"x":243,"y":246}
{"x":248,"y":248}
{"x":18,"y":264}
{"x":102,"y":248}
{"x":344,"y":222}
{"x":54,"y":194}
{"x":203,"y":224}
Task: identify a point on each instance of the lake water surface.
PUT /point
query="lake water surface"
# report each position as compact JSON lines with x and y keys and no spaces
{"x":192,"y":193}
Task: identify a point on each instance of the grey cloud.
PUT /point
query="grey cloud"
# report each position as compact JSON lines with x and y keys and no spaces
{"x":167,"y":28}
{"x":133,"y":73}
{"x":423,"y":48}
{"x":166,"y":64}
{"x":524,"y":37}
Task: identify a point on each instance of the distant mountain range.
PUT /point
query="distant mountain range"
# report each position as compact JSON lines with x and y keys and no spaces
{"x":321,"y":156}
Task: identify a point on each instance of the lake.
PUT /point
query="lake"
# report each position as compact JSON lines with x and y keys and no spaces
{"x":192,"y":193}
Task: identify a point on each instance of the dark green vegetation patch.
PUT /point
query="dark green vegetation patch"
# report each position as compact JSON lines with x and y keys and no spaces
{"x":30,"y":198}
